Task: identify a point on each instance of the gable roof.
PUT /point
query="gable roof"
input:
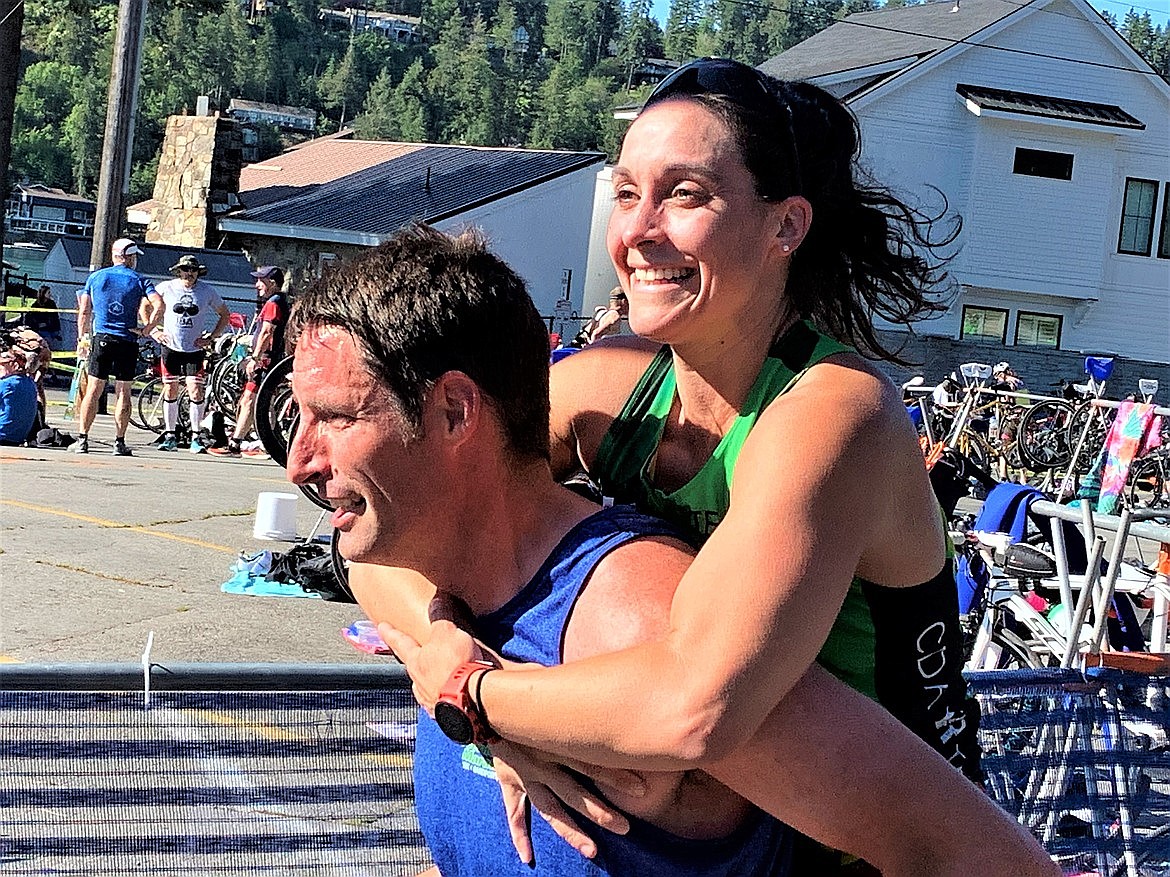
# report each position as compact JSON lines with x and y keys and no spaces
{"x":48,"y":193}
{"x":363,"y":191}
{"x":223,"y":266}
{"x":867,"y":39}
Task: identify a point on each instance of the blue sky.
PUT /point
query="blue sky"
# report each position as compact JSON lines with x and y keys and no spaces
{"x":1159,"y":9}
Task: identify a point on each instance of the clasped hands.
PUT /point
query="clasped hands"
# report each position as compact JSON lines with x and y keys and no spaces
{"x":550,"y":783}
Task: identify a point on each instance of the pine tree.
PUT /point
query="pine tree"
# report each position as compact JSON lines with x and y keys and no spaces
{"x":640,"y":39}
{"x":682,"y":29}
{"x":378,"y":120}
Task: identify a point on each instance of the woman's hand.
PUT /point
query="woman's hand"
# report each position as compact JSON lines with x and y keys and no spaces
{"x":527,"y":775}
{"x":431,"y":665}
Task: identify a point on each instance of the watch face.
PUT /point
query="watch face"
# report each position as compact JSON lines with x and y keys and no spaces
{"x":453,"y":722}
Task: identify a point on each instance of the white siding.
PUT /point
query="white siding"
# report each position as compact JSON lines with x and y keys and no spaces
{"x":1032,"y":243}
{"x":540,"y":232}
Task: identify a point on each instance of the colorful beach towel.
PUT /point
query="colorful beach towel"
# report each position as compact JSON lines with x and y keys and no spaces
{"x":1135,"y":430}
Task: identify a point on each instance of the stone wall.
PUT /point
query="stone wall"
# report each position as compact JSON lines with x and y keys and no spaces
{"x":198,"y":179}
{"x":1039,"y":367}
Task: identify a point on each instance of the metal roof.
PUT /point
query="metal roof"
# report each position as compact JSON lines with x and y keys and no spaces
{"x":223,"y":266}
{"x":1048,"y":107}
{"x":865,"y":39}
{"x":426,"y":182}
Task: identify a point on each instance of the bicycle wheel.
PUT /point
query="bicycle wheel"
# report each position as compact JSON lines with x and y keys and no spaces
{"x":224,"y":387}
{"x":339,"y":563}
{"x":138,"y":386}
{"x":149,"y":407}
{"x":1043,"y":435}
{"x":276,"y":410}
{"x":1148,"y":487}
{"x":1098,"y":420}
{"x":1014,"y":653}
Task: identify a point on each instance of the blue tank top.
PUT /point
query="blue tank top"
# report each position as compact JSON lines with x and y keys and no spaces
{"x":456,"y":793}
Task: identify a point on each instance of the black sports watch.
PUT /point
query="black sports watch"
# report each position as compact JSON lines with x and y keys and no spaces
{"x":456,"y":712}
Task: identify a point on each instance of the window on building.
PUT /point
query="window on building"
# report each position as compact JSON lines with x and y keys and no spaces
{"x":1137,"y":217}
{"x":1164,"y":234}
{"x":984,"y":324}
{"x":1042,"y":163}
{"x":324,"y":260}
{"x":1038,"y":330}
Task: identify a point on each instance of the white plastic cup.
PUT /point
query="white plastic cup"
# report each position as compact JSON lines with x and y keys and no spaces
{"x":276,"y":517}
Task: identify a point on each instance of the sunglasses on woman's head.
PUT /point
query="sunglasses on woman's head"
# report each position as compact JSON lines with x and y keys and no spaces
{"x":738,"y":83}
{"x":718,"y":76}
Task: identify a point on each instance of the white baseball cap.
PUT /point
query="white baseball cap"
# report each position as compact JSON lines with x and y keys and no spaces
{"x":125,"y":247}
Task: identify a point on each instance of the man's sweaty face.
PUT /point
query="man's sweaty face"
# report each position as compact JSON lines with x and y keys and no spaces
{"x":352,"y":444}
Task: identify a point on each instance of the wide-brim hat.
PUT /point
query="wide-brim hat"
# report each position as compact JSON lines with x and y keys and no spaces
{"x":189,"y":261}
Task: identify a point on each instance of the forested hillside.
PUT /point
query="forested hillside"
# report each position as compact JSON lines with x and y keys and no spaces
{"x":540,"y":73}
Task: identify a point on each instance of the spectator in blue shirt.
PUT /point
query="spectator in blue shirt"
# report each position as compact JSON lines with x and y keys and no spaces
{"x":18,"y":399}
{"x":110,"y":306}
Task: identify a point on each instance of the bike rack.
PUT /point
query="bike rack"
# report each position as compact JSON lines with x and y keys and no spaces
{"x":1139,"y":523}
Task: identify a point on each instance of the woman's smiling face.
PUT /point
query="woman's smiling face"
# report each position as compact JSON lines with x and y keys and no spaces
{"x":693,"y":245}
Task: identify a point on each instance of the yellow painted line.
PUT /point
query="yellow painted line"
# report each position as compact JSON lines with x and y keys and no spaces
{"x":8,"y":659}
{"x":263,"y":729}
{"x":116,"y":525}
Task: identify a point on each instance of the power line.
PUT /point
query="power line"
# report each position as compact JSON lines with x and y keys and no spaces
{"x":1079,"y":18}
{"x":950,"y":41}
{"x":1131,"y":6}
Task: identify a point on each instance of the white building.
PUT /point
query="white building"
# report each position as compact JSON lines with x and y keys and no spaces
{"x":1047,"y":134}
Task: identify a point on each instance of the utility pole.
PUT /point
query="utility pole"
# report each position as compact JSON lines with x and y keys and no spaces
{"x":11,"y":22}
{"x":114,"y":181}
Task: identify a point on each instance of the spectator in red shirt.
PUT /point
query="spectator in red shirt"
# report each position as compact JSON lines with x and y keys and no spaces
{"x":267,"y":346}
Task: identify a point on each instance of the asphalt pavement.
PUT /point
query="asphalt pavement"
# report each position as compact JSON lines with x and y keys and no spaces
{"x":97,"y":551}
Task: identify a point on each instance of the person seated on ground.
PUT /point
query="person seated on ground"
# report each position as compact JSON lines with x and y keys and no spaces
{"x":37,"y":356}
{"x":18,"y":398}
{"x":434,"y":452}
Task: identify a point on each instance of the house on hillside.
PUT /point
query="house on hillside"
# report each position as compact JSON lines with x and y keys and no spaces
{"x":44,"y":210}
{"x":405,"y":29}
{"x":278,"y":116}
{"x":334,"y":196}
{"x":1048,"y":135}
{"x":67,"y":266}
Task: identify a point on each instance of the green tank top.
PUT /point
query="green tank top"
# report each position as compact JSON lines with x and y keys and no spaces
{"x":625,"y":457}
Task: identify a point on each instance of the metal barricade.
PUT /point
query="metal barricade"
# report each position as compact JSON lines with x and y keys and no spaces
{"x":207,"y":769}
{"x":1082,"y":760}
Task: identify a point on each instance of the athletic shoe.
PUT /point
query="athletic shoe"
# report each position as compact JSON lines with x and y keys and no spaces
{"x":168,"y":443}
{"x":82,"y":446}
{"x":197,"y":446}
{"x":258,"y":453}
{"x":120,"y":448}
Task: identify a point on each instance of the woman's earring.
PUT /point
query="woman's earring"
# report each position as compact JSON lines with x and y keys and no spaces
{"x":787,"y":248}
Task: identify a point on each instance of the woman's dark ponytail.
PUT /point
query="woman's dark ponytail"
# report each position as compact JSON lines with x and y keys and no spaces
{"x":867,"y":253}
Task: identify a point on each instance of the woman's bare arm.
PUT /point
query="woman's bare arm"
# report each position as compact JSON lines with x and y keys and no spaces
{"x":752,"y":612}
{"x":836,"y":766}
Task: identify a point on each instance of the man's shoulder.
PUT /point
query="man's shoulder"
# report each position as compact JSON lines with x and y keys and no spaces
{"x":626,"y":600}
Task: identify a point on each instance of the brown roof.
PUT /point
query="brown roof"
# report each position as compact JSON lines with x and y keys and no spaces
{"x":309,"y":164}
{"x":312,"y":164}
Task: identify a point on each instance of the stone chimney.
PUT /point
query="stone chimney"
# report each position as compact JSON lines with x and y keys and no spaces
{"x":198,"y":180}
